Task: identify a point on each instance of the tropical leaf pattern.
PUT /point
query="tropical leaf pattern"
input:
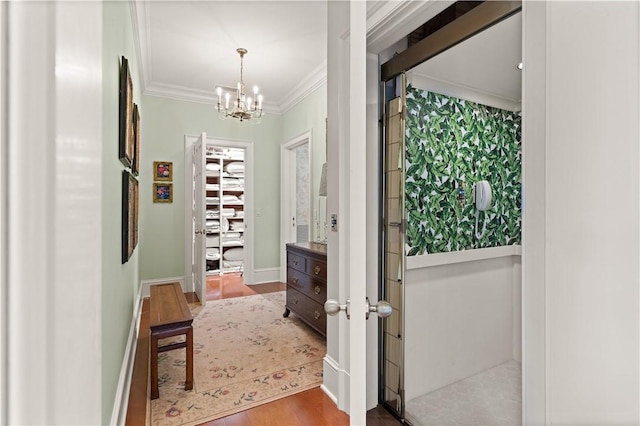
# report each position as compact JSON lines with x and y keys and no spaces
{"x":451,"y":143}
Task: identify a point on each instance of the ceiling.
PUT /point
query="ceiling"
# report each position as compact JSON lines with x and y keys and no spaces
{"x":484,"y":65}
{"x":187,"y":48}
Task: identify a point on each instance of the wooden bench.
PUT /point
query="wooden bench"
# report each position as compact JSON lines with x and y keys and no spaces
{"x":170,"y":316}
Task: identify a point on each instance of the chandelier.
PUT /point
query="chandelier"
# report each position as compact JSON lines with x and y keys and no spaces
{"x":243,"y":107}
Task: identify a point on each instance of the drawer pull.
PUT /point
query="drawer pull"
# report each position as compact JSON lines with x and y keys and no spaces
{"x":316,"y":314}
{"x":295,"y":300}
{"x":295,"y":263}
{"x":317,"y":289}
{"x":295,"y":280}
{"x":316,"y":270}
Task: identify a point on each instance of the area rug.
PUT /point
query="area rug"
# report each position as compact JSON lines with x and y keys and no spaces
{"x":245,"y":354}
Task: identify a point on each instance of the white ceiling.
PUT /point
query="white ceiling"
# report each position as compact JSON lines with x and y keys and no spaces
{"x":187,"y":48}
{"x":482,"y":67}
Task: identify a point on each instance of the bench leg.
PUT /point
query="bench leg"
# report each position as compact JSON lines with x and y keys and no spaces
{"x":188,"y":384}
{"x":155,"y":393}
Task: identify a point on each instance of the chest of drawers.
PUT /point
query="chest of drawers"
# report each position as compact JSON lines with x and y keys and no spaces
{"x":307,"y":283}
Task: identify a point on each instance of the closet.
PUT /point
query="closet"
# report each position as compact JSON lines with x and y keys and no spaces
{"x":224,"y":215}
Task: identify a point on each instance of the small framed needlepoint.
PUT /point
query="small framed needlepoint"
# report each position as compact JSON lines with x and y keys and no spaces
{"x":162,"y":170}
{"x":162,"y":192}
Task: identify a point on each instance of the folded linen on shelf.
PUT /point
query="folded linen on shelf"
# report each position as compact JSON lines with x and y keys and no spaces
{"x":212,"y":166}
{"x":229,"y":198}
{"x":236,"y":253}
{"x":231,"y":236}
{"x":232,"y":263}
{"x":236,"y":226}
{"x":212,"y":214}
{"x":235,"y":167}
{"x":213,"y":241}
{"x":212,"y":225}
{"x":228,"y":212}
{"x":213,"y":200}
{"x":212,"y":187}
{"x":239,"y":214}
{"x":213,"y":253}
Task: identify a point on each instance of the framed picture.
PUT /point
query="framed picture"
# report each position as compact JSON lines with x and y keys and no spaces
{"x":162,"y":192}
{"x":130,"y":213}
{"x":126,"y":139}
{"x":162,"y":170}
{"x":135,"y":166}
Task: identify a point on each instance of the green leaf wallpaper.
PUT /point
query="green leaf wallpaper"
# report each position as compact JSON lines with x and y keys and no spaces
{"x":452,"y":142}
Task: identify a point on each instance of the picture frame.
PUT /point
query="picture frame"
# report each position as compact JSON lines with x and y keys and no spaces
{"x":126,"y":132}
{"x":163,"y":171}
{"x":130,"y":214}
{"x":162,"y":192}
{"x":135,"y":166}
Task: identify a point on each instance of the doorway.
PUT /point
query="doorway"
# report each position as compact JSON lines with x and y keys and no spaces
{"x":297,"y":222}
{"x":456,"y":289}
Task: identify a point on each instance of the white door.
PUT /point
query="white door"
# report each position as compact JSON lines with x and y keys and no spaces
{"x":347,"y":174}
{"x":199,"y":229}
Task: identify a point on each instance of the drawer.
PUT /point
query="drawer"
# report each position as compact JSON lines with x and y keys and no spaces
{"x":296,"y":262}
{"x":309,"y":310}
{"x":305,"y":284}
{"x":317,"y":269}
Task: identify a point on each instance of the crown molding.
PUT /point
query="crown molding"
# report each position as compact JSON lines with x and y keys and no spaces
{"x":393,"y":20}
{"x":313,"y":81}
{"x":188,"y":94}
{"x":463,"y":91}
{"x":139,"y":18}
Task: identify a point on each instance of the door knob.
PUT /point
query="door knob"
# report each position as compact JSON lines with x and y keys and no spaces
{"x":204,"y":231}
{"x":332,"y":307}
{"x":382,"y":308}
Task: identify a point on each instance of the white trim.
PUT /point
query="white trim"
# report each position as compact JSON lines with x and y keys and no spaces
{"x":121,"y":402}
{"x":331,"y":377}
{"x":145,"y":285}
{"x":438,"y":259}
{"x":139,"y":17}
{"x":287,"y":156}
{"x":265,"y":275}
{"x":189,"y":140}
{"x":462,"y":91}
{"x":4,"y":167}
{"x":394,"y":20}
{"x":316,"y":79}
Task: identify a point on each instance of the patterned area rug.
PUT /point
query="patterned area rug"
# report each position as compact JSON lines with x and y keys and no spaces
{"x":245,"y":354}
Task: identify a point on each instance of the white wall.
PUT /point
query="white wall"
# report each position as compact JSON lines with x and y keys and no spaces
{"x":54,"y":200}
{"x":459,"y":321}
{"x":581,"y":223}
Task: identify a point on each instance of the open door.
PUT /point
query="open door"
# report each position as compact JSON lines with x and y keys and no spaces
{"x":198,"y":211}
{"x":347,"y":207}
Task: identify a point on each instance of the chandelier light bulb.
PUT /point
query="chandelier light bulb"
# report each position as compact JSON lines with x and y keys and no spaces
{"x":243,"y":107}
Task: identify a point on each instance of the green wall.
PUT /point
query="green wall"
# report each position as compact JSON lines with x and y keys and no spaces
{"x":119,"y":282}
{"x":310,"y":114}
{"x":451,"y":142}
{"x":164,"y":125}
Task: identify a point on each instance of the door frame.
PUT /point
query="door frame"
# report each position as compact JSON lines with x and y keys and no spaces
{"x":249,"y":271}
{"x":287,"y":191}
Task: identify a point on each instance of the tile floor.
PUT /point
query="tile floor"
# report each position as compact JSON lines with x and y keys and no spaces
{"x":492,"y":397}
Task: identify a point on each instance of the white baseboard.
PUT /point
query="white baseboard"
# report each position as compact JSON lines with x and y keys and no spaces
{"x":121,"y":401}
{"x":265,"y":275}
{"x":331,"y":378}
{"x":144,"y":285}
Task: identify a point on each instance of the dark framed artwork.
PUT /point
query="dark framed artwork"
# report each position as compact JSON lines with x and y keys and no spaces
{"x":130,"y":213}
{"x":163,"y":170}
{"x":126,"y":138}
{"x":135,"y":166}
{"x":162,"y":192}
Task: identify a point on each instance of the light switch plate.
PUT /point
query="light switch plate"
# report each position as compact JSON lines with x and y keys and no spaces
{"x":334,"y":222}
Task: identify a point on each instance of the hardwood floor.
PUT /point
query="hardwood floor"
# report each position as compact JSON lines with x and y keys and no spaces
{"x":311,"y":407}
